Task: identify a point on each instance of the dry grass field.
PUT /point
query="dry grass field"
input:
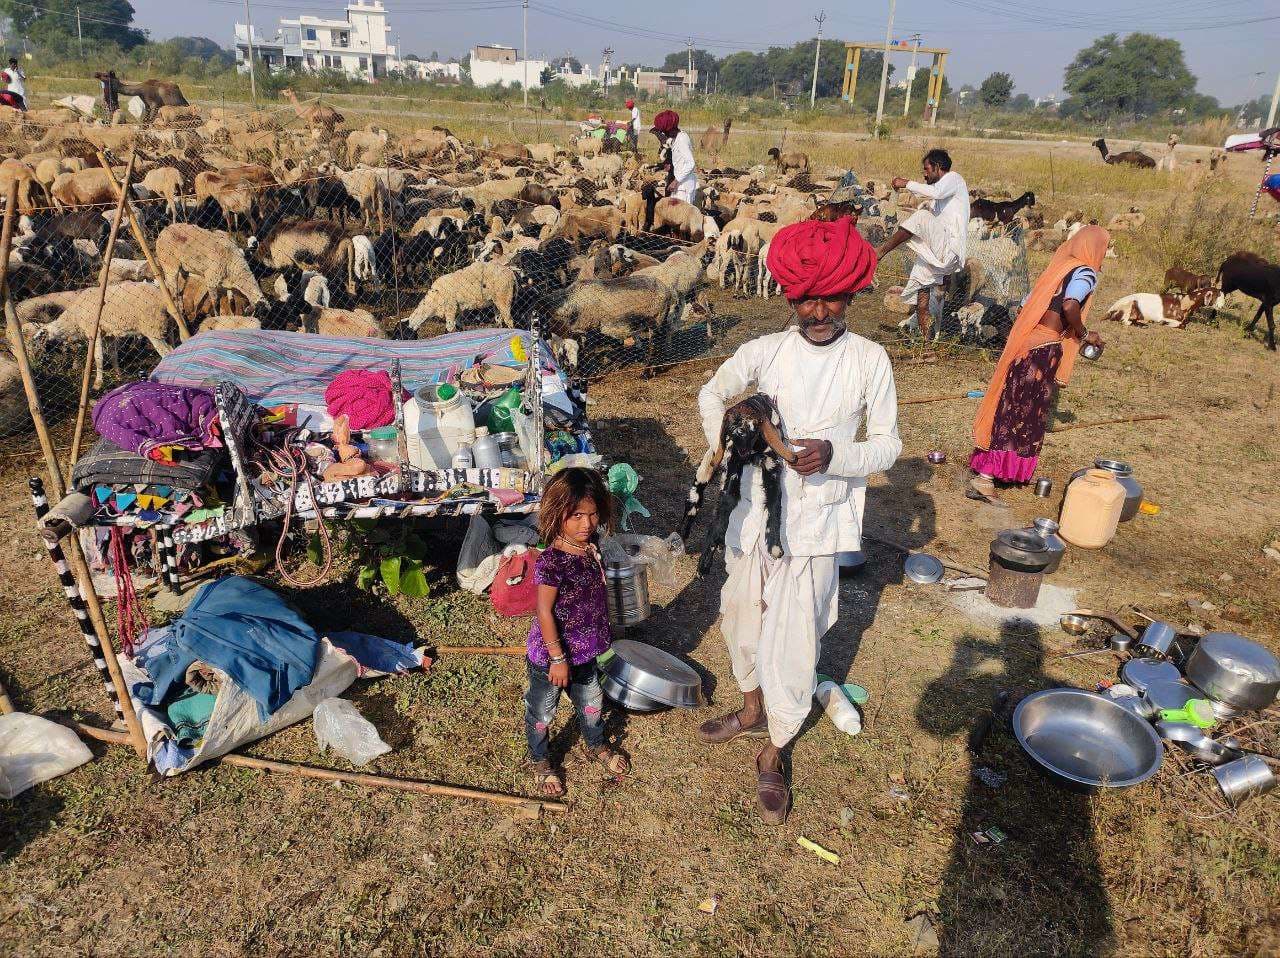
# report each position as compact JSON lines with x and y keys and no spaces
{"x":226,"y":861}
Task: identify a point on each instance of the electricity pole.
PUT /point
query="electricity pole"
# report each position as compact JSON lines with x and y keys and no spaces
{"x":884,"y":66}
{"x":813,"y":90}
{"x":248,"y":39}
{"x":607,"y":55}
{"x":525,"y":5}
{"x":911,"y":72}
{"x":79,"y":32}
{"x":688,"y":77}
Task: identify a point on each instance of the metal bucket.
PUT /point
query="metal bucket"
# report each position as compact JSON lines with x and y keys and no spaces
{"x":627,"y":590}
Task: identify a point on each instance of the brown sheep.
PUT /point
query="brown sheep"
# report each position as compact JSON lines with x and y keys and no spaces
{"x":94,"y":187}
{"x":183,"y":250}
{"x":594,"y":222}
{"x":789,"y":161}
{"x":310,"y":245}
{"x":234,"y":196}
{"x":167,"y":182}
{"x":30,"y":192}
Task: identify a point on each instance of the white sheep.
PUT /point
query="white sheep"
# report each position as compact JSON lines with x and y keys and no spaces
{"x":364,"y":263}
{"x":476,"y":286}
{"x":766,"y":285}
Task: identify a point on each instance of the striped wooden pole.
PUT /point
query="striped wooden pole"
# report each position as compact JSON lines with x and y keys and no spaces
{"x":74,"y":598}
{"x":169,"y":562}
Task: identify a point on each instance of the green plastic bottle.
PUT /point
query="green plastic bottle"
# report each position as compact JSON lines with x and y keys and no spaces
{"x":500,"y":412}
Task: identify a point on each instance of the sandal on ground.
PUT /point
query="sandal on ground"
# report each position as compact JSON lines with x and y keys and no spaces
{"x":983,"y":492}
{"x":772,"y":795}
{"x":614,"y":761}
{"x":726,"y":728}
{"x":546,"y":780}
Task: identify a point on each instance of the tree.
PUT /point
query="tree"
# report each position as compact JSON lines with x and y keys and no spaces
{"x":546,"y":75}
{"x":54,"y":21}
{"x":703,"y":62}
{"x":920,"y":89}
{"x":1021,"y":104}
{"x":1141,"y":75}
{"x":996,"y":89}
{"x":743,"y":73}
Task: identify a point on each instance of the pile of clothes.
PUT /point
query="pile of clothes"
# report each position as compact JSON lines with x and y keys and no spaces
{"x":241,"y":663}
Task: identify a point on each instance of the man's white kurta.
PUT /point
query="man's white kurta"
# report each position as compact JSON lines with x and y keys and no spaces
{"x":683,"y":168}
{"x":775,"y":610}
{"x":635,"y":120}
{"x":939,"y":231}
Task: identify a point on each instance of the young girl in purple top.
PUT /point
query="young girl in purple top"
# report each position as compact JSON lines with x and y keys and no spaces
{"x":572,"y":624}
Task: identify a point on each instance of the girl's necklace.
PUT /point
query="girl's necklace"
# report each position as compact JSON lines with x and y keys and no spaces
{"x":575,"y":549}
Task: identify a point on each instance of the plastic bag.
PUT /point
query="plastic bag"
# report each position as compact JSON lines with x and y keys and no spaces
{"x":479,"y":558}
{"x":658,"y":554}
{"x":339,"y":724}
{"x":34,"y":750}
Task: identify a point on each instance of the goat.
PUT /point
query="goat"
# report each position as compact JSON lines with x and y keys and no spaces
{"x":1139,"y":309}
{"x":1252,"y":275}
{"x":1004,"y":212}
{"x":789,"y":161}
{"x":1175,"y":277}
{"x":751,"y":433}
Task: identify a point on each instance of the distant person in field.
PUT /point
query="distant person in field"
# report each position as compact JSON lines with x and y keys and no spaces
{"x":682,"y":172}
{"x":17,"y":83}
{"x":633,"y":127}
{"x":936,"y":233}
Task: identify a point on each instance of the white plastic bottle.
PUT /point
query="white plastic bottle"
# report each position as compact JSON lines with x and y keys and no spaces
{"x":462,"y":459}
{"x":842,"y":712}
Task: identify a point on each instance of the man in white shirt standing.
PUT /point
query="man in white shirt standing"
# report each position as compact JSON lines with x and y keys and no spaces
{"x":17,"y":81}
{"x":633,"y":128}
{"x":825,"y":382}
{"x":683,"y":171}
{"x":936,"y":233}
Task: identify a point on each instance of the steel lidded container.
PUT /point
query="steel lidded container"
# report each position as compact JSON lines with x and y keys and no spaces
{"x":627,"y":590}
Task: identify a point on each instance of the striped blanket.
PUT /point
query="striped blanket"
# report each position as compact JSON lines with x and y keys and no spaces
{"x":277,"y":367}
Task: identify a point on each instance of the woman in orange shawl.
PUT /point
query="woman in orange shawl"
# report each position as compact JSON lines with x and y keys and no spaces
{"x":1041,"y":352}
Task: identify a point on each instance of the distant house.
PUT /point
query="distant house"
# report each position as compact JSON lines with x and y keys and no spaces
{"x":431,"y":70}
{"x":1048,"y":103}
{"x":357,"y":46}
{"x":492,"y":64}
{"x":666,"y":83}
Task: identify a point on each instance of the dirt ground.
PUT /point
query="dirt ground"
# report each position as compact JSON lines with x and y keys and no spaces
{"x":227,"y":861}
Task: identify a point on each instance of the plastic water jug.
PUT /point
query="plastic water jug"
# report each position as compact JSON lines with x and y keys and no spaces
{"x":1091,"y":509}
{"x":486,"y":450}
{"x":437,"y":422}
{"x":500,"y":411}
{"x":839,"y":708}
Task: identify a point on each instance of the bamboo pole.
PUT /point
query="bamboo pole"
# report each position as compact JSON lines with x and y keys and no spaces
{"x":103,"y":276}
{"x":353,"y":778}
{"x":1109,"y":422}
{"x":184,"y":333}
{"x":18,"y":346}
{"x":483,"y":649}
{"x":927,"y":399}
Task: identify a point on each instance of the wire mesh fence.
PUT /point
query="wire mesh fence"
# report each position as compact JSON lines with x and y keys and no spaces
{"x":277,"y":221}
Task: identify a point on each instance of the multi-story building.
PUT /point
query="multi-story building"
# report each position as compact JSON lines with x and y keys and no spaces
{"x":358,"y":46}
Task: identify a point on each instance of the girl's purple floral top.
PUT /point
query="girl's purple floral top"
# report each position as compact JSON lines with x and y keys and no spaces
{"x":580,"y":611}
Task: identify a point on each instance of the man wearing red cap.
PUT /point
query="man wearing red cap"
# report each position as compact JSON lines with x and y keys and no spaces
{"x":825,"y":381}
{"x":633,"y":127}
{"x":682,"y":181}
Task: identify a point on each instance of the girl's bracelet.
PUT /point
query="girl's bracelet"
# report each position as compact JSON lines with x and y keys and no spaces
{"x":559,"y":659}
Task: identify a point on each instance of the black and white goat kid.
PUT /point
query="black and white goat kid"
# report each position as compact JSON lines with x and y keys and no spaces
{"x":750,"y":434}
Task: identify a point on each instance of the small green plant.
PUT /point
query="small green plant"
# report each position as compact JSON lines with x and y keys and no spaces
{"x":390,"y":553}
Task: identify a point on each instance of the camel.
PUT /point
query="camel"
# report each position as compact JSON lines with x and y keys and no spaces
{"x":154,"y":93}
{"x":1169,"y":162}
{"x":317,"y":116}
{"x":713,"y":140}
{"x":1127,"y":158}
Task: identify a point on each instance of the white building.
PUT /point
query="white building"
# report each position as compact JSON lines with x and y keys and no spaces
{"x":493,"y":63}
{"x":358,"y":45}
{"x":431,"y":70}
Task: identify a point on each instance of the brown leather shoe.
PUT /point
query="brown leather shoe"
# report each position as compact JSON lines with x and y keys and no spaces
{"x":772,"y":795}
{"x":727,"y":727}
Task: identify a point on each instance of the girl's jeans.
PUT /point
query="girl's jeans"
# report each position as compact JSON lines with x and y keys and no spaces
{"x":540,"y":703}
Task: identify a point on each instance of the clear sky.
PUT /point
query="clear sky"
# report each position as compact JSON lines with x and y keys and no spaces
{"x":1226,"y":42}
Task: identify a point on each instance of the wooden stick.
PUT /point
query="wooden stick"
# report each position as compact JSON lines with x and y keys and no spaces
{"x":1109,"y":422}
{"x":6,"y":703}
{"x":103,"y":276}
{"x":925,"y":399}
{"x":184,"y":333}
{"x":483,"y":649}
{"x":18,"y":346}
{"x":352,"y":778}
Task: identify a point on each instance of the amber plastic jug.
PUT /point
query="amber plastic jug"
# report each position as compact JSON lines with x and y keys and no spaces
{"x":1091,"y":510}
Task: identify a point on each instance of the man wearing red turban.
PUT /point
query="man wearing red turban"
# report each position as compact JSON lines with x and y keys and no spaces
{"x":826,"y":382}
{"x":682,"y":172}
{"x":633,"y":127}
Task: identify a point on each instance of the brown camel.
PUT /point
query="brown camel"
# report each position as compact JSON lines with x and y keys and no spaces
{"x":154,"y":93}
{"x":713,"y":140}
{"x":316,"y":115}
{"x":1127,"y":158}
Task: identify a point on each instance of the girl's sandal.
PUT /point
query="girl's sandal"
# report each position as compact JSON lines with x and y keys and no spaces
{"x":615,"y":762}
{"x":546,"y":780}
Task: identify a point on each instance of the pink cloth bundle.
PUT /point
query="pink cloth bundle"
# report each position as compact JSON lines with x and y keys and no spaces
{"x":363,"y":396}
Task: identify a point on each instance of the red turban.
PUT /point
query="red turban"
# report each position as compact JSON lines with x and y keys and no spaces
{"x":666,"y":121}
{"x":812,"y":258}
{"x":630,"y":104}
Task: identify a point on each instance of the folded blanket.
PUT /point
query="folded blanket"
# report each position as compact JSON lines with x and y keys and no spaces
{"x":109,"y":465}
{"x":156,"y":420}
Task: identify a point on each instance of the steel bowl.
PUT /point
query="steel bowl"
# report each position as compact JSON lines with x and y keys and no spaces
{"x":1091,"y":351}
{"x":655,"y":674}
{"x":1142,"y":672}
{"x":1074,"y":624}
{"x":1243,"y":779}
{"x":1169,"y":695}
{"x":923,"y":569}
{"x":937,"y":457}
{"x":1192,"y":739}
{"x":1136,"y":705}
{"x":1234,"y":670}
{"x":626,"y":696}
{"x":1086,"y":741}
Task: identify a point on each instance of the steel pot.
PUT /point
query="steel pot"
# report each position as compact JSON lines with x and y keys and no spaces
{"x":1157,"y":639}
{"x":654,"y":674}
{"x":1120,"y":643}
{"x":627,"y":592}
{"x":1243,"y":779}
{"x":1143,"y":672}
{"x":1234,"y":670}
{"x":626,"y":696}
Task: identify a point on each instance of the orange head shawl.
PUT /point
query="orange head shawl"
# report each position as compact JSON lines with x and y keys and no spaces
{"x":1086,"y":248}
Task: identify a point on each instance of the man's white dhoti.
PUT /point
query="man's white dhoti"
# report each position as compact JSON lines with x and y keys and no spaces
{"x":774,"y":615}
{"x":934,"y":253}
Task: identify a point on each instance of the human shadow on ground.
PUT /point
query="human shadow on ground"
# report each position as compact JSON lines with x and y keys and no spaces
{"x":1040,"y":890}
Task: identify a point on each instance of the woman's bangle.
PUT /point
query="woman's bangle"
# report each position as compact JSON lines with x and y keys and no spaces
{"x":559,"y":659}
